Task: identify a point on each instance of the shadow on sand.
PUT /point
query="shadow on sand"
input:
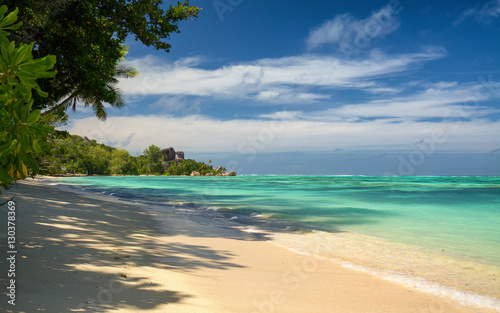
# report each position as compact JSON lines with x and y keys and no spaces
{"x":86,"y":253}
{"x":64,"y":246}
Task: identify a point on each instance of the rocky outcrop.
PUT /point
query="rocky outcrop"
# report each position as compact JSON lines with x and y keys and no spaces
{"x":169,"y":158}
{"x":169,"y":154}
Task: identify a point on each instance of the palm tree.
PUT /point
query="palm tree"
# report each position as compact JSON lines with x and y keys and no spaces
{"x":97,"y":97}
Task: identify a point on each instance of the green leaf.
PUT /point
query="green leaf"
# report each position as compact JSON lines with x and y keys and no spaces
{"x":27,"y":80}
{"x":9,"y":19}
{"x":26,"y":110}
{"x":24,"y":142}
{"x":49,"y":60}
{"x":33,"y":117}
{"x":24,"y":91}
{"x":41,"y":93}
{"x":19,"y":167}
{"x":14,"y":26}
{"x":5,"y":53}
{"x":3,"y":9}
{"x":4,"y":176}
{"x":8,"y":53}
{"x":17,"y":111}
{"x":7,"y":147}
{"x":29,"y":161}
{"x":36,"y":146}
{"x":46,"y":74}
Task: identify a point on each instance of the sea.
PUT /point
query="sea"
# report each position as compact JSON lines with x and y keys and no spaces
{"x":440,"y":235}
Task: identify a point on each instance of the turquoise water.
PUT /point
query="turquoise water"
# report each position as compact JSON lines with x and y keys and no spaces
{"x":460,"y":215}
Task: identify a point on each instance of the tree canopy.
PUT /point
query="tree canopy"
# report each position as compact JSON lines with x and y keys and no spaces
{"x":87,"y":37}
{"x":76,"y":155}
{"x":153,"y":159}
{"x":72,"y":154}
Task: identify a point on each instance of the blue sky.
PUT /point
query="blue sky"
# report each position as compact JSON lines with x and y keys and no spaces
{"x":352,"y":87}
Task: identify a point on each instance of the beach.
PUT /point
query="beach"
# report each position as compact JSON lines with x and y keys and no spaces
{"x":83,"y":252}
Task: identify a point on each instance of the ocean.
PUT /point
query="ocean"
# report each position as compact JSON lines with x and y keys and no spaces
{"x":437,"y":234}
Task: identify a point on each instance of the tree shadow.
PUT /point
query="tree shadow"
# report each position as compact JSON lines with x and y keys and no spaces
{"x":66,"y":244}
{"x":62,"y":247}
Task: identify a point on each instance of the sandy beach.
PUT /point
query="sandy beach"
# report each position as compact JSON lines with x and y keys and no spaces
{"x":90,"y":253}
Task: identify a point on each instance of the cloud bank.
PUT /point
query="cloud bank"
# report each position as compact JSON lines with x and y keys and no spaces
{"x":278,"y":80}
{"x":451,"y":110}
{"x":201,"y":134}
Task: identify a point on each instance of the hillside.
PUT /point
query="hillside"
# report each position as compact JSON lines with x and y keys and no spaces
{"x":75,"y":155}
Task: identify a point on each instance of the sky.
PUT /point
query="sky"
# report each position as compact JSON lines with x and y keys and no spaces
{"x":398,"y":87}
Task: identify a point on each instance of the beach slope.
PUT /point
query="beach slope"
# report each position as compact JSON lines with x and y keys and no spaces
{"x":89,"y":253}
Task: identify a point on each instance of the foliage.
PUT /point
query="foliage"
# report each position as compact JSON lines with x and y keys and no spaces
{"x":88,"y":36}
{"x":64,"y":155}
{"x":187,"y":166}
{"x":71,"y":154}
{"x":91,"y":98}
{"x":20,"y":131}
{"x":142,"y":164}
{"x":96,"y":160}
{"x":153,"y":160}
{"x":122,"y":162}
{"x":76,"y":155}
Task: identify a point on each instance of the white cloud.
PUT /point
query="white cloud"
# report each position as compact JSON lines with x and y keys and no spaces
{"x":288,"y":95}
{"x":266,"y":79}
{"x":483,"y":14}
{"x":351,"y":34}
{"x":282,"y":115}
{"x":442,"y":100}
{"x":290,"y":133}
{"x":450,"y":109}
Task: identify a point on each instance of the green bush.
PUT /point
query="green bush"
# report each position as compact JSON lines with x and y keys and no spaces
{"x":188,"y":166}
{"x":21,"y":133}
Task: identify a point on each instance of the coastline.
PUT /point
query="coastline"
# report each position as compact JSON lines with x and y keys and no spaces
{"x":74,"y":249}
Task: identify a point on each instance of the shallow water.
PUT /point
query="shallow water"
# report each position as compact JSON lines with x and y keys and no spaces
{"x":441,"y":229}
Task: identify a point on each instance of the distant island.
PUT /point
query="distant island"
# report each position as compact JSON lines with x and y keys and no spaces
{"x":72,"y":155}
{"x":175,"y":164}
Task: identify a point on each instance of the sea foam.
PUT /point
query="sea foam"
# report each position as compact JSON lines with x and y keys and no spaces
{"x":440,"y":274}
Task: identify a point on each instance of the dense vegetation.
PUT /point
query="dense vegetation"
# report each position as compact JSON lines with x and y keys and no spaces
{"x":83,"y":41}
{"x":189,"y":166}
{"x":21,"y":132}
{"x":71,"y":154}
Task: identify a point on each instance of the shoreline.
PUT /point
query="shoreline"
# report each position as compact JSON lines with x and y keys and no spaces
{"x":469,"y":280}
{"x":204,"y":268}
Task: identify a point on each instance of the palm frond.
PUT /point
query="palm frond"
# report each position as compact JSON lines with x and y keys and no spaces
{"x":126,"y":71}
